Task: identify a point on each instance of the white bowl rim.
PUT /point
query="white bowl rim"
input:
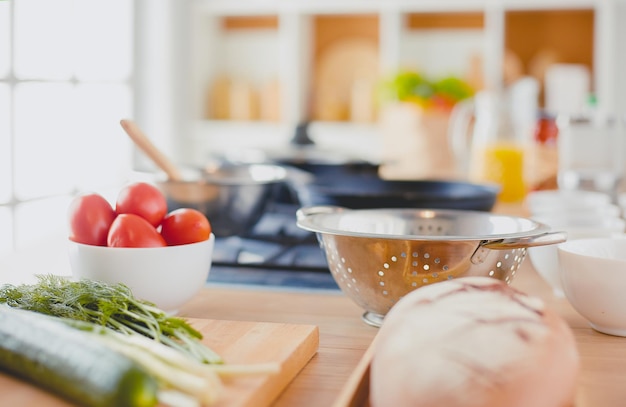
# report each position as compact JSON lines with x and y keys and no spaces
{"x":575,"y":222}
{"x":561,"y":193}
{"x":144,"y":249}
{"x":574,"y":246}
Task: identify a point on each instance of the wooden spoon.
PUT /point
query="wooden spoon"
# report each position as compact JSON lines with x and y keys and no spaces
{"x":156,"y":155}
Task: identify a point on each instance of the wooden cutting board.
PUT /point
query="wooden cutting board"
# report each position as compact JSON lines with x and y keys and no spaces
{"x":238,"y":342}
{"x":259,"y":342}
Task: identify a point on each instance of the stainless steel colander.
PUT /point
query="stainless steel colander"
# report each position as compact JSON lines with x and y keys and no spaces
{"x":376,"y":256}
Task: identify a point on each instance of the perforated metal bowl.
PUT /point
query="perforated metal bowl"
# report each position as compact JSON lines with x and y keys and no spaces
{"x":376,"y":256}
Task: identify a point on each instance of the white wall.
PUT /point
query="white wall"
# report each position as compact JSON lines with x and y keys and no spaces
{"x":440,"y":52}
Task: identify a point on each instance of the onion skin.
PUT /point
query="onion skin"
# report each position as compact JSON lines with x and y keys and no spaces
{"x":473,"y":342}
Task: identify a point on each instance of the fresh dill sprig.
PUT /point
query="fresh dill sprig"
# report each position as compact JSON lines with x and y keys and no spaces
{"x":109,"y":305}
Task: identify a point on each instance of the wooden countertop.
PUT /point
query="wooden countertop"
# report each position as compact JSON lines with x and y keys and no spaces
{"x":344,"y":337}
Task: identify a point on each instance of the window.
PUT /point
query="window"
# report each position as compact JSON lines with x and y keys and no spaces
{"x":65,"y":83}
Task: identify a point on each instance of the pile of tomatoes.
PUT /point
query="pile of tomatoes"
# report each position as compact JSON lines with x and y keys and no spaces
{"x":139,"y":219}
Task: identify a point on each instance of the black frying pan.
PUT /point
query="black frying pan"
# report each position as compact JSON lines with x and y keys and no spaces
{"x":364,"y":191}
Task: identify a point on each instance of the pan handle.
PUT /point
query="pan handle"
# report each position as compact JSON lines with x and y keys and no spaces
{"x":523,"y":242}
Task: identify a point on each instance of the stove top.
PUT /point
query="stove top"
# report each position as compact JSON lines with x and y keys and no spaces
{"x":274,"y":279}
{"x":275,"y":253}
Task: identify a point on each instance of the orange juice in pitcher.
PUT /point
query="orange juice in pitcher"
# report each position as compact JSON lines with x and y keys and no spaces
{"x":489,"y":139}
{"x":503,"y":164}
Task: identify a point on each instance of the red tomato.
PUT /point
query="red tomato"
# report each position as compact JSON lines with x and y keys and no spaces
{"x":142,"y":199}
{"x":129,"y":230}
{"x":185,"y":225}
{"x":90,"y":216}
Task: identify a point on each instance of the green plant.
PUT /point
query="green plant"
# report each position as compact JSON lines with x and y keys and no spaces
{"x":411,"y":86}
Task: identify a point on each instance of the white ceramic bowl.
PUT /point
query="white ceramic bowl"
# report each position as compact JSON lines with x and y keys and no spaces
{"x":601,"y":210}
{"x":580,"y":220}
{"x":166,"y":276}
{"x":545,"y":259}
{"x":549,"y":201}
{"x":593,"y":273}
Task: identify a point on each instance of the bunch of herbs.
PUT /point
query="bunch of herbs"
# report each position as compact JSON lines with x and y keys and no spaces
{"x":109,"y":305}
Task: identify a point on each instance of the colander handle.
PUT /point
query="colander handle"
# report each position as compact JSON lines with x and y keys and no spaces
{"x":528,"y":241}
{"x":305,"y":212}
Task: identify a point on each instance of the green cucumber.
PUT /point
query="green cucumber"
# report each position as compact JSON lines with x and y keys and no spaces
{"x":70,"y":362}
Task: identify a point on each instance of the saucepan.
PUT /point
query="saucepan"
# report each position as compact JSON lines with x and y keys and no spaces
{"x":233,"y":196}
{"x":320,"y":162}
{"x":304,"y":154}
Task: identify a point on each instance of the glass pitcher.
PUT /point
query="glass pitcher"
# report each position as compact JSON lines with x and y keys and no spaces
{"x":488,"y":135}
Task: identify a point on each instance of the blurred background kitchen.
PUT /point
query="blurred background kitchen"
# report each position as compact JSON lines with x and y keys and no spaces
{"x":233,"y":78}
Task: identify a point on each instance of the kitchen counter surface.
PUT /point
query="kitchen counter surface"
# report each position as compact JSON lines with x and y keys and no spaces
{"x":343,"y":336}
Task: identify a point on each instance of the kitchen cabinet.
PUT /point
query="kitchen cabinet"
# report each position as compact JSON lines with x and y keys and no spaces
{"x":277,"y":58}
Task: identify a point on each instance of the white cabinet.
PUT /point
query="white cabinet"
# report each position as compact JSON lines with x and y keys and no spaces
{"x":279,"y":56}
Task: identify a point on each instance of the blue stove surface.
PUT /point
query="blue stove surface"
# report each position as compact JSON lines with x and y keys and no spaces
{"x":271,"y":278}
{"x":276,"y":253}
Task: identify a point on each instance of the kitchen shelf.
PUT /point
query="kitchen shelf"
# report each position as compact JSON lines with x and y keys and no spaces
{"x":293,"y":58}
{"x":247,"y":7}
